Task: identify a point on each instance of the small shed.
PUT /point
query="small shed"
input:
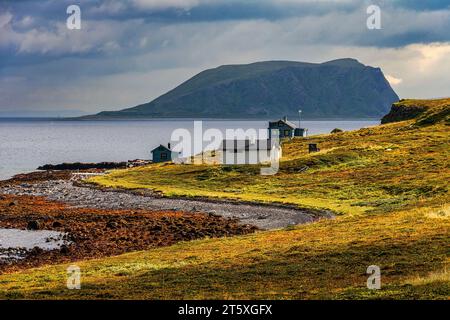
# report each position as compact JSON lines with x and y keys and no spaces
{"x":312,"y":147}
{"x":164,"y":154}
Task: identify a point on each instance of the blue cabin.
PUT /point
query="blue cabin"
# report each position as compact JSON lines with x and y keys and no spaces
{"x":287,"y":129}
{"x":163,"y":154}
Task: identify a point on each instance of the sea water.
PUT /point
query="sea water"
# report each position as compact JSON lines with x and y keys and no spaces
{"x":28,"y":144}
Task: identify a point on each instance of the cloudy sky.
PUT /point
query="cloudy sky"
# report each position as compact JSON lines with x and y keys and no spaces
{"x":131,"y":51}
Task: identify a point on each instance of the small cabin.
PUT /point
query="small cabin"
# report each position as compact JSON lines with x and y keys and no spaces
{"x":286,"y":129}
{"x":164,"y":154}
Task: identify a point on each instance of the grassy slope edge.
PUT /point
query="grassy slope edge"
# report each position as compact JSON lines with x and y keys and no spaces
{"x":388,"y":183}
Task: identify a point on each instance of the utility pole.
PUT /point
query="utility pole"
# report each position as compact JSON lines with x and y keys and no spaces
{"x":299,"y":118}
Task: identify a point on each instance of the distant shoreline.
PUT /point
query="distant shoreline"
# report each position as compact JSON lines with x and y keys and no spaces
{"x":27,"y":143}
{"x":5,"y":119}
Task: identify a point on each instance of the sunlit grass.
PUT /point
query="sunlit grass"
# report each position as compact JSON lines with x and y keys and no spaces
{"x":381,"y":168}
{"x":327,"y":259}
{"x":389,"y":185}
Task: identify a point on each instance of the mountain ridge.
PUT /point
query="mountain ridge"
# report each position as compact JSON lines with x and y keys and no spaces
{"x":339,"y":88}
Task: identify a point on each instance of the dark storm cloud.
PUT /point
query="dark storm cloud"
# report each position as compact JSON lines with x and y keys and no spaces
{"x":423,"y":4}
{"x":133,"y":18}
{"x":175,"y":11}
{"x":225,"y":10}
{"x":151,"y":45}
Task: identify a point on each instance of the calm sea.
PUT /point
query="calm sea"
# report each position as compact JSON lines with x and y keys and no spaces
{"x":27,"y":144}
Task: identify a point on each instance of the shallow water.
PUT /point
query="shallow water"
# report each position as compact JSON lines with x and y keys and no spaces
{"x":15,"y":242}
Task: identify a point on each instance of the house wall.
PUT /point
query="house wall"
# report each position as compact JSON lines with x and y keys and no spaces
{"x":300,"y":132}
{"x":282,"y":127}
{"x":248,"y":156}
{"x":156,"y":155}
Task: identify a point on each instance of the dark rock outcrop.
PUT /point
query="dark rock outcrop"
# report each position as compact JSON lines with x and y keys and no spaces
{"x":33,"y":225}
{"x":56,"y":224}
{"x":84,"y":166}
{"x":402,"y":112}
{"x":426,"y":112}
{"x":64,"y":249}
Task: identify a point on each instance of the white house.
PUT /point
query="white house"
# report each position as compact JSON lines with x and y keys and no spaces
{"x":247,"y":152}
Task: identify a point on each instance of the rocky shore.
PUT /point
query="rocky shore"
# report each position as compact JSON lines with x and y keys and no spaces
{"x":93,"y":233}
{"x":100,"y":222}
{"x":78,"y":196}
{"x":84,"y":166}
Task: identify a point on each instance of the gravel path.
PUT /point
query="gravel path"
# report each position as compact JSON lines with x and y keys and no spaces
{"x":262,"y":216}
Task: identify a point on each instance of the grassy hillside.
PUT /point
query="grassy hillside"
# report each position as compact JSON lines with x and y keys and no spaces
{"x":375,"y":169}
{"x":389,"y":185}
{"x":327,"y":259}
{"x":426,"y":111}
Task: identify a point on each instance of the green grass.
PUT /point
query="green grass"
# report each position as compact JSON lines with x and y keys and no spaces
{"x":380,"y":168}
{"x":389,"y":184}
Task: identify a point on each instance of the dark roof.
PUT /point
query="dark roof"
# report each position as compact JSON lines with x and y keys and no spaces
{"x":287,"y":122}
{"x":159,"y":148}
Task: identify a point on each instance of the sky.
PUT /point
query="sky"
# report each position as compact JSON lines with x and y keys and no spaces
{"x":129,"y":52}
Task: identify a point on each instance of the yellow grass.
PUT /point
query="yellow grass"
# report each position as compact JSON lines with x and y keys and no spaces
{"x":389,"y":185}
{"x":381,"y":168}
{"x":327,"y":259}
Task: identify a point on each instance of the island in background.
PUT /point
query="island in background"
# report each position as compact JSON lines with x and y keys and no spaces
{"x":338,"y":89}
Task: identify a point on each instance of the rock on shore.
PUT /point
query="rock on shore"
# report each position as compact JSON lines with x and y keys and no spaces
{"x":84,"y":166}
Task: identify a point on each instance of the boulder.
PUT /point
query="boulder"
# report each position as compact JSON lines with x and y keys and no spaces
{"x":64,"y":249}
{"x":112,"y":224}
{"x":35,"y":251}
{"x":56,"y":224}
{"x":33,"y":225}
{"x":213,"y":213}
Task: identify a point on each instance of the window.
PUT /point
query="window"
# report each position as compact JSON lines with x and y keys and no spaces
{"x":286,"y":133}
{"x":163,"y":156}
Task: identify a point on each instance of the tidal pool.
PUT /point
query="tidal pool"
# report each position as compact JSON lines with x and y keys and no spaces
{"x":15,"y":243}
